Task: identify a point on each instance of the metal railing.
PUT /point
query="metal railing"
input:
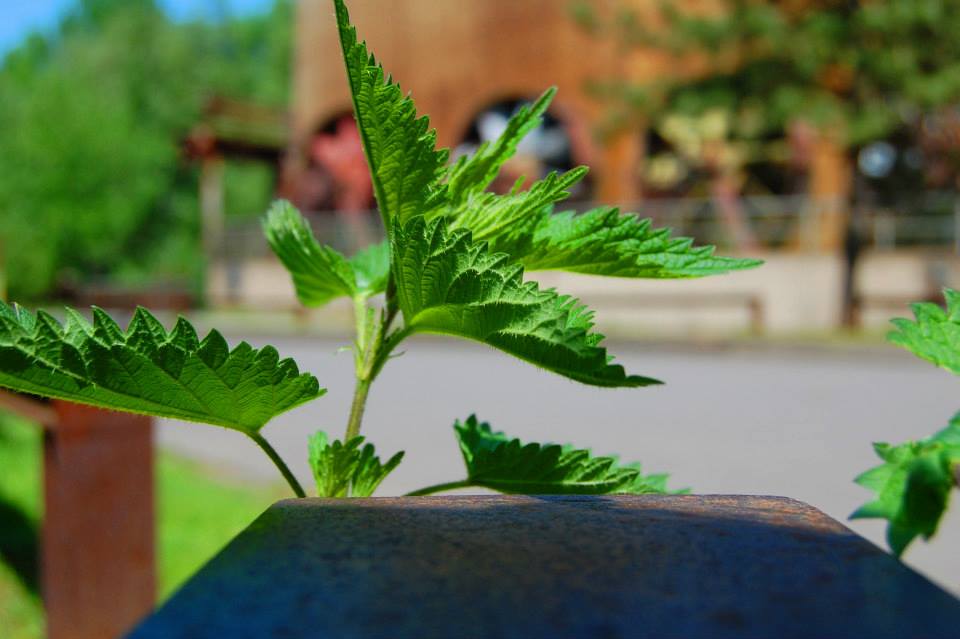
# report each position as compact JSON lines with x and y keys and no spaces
{"x":243,"y":238}
{"x":930,"y":220}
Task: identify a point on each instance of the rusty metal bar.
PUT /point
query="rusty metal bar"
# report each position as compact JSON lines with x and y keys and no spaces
{"x":30,"y":409}
{"x":97,"y":543}
{"x":710,"y":566}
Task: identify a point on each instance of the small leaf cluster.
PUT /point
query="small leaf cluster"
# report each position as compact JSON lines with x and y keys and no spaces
{"x":350,"y":469}
{"x":914,"y":483}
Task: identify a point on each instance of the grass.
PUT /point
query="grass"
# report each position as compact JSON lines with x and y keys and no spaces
{"x":197,"y":514}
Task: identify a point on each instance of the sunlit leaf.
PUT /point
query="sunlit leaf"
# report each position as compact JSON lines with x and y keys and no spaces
{"x":400,"y":146}
{"x":147,"y":369}
{"x":448,"y":284}
{"x":349,"y":469}
{"x":320,"y":273}
{"x":913,"y":485}
{"x":935,"y":335}
{"x":500,"y":463}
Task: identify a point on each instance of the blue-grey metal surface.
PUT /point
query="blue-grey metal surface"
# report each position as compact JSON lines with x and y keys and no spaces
{"x":531,"y":567}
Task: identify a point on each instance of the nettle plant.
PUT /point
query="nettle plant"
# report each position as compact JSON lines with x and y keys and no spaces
{"x":914,"y":483}
{"x":453,"y":264}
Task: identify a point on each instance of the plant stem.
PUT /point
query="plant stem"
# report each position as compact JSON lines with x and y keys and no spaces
{"x":389,"y":343}
{"x":371,"y":353}
{"x":361,"y":322}
{"x":279,"y":463}
{"x":357,"y":407}
{"x":369,"y":336}
{"x":439,"y":488}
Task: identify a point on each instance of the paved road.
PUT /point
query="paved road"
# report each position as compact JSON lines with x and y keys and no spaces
{"x":742,"y":420}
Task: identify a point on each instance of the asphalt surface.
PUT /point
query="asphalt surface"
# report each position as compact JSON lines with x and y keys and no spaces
{"x":740,"y":420}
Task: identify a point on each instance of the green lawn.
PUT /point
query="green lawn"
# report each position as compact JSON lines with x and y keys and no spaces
{"x":197,"y":514}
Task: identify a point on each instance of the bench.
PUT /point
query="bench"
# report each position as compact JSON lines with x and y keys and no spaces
{"x":752,"y":302}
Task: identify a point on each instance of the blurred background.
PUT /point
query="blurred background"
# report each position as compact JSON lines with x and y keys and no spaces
{"x":142,"y":140}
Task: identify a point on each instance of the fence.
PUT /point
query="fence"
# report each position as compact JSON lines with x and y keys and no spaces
{"x":931,"y":219}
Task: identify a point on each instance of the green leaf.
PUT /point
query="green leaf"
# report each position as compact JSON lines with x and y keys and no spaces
{"x":949,"y":436}
{"x":497,"y":462}
{"x":400,"y":146}
{"x":935,"y":335}
{"x":371,"y":266}
{"x":491,"y":217}
{"x":370,"y":472}
{"x":450,"y":285}
{"x":522,"y":224}
{"x":471,"y":175}
{"x":347,"y":469}
{"x":319,"y":273}
{"x":912,"y":486}
{"x":409,"y":179}
{"x":147,"y":369}
{"x":333,"y":464}
{"x":604,"y":241}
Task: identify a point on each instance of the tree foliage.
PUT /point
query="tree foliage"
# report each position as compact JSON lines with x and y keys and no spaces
{"x":91,"y":182}
{"x":861,"y":68}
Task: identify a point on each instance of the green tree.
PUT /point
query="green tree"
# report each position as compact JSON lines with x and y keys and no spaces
{"x":91,"y":178}
{"x":754,"y":74}
{"x":864,"y":67}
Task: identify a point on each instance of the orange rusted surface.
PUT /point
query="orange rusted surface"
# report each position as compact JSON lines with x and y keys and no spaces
{"x":97,"y":542}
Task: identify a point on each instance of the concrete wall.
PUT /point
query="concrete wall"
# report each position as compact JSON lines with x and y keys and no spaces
{"x":796,"y":293}
{"x":793,"y":292}
{"x":888,"y":281}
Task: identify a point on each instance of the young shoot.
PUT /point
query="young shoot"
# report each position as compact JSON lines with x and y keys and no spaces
{"x":456,"y":262}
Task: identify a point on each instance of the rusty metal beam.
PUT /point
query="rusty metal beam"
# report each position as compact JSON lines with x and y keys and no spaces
{"x":97,"y":542}
{"x":539,"y":567}
{"x":31,"y":409}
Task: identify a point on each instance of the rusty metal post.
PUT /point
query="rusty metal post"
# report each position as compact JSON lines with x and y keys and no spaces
{"x":97,"y":545}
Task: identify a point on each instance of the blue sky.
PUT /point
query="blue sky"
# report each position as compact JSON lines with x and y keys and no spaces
{"x":20,"y":17}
